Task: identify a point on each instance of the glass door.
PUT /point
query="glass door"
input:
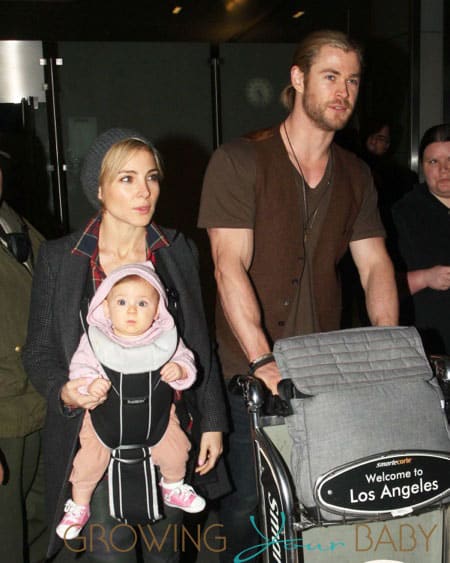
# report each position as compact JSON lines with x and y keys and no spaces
{"x":160,"y":89}
{"x":24,"y":133}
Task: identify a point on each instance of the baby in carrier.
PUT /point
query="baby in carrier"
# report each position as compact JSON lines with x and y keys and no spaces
{"x":131,"y":331}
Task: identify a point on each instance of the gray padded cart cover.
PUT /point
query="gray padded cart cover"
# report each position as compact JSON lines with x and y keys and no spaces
{"x":372,"y":390}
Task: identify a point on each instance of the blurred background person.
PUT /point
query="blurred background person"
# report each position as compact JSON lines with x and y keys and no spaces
{"x":422,"y":222}
{"x":378,"y":140}
{"x":22,"y":409}
{"x":392,"y":180}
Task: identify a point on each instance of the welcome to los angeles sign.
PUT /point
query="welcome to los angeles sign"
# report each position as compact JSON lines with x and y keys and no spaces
{"x":397,"y":483}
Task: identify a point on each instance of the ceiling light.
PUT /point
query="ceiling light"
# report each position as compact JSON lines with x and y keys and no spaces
{"x":298,"y":14}
{"x":176,"y":9}
{"x":230,"y":5}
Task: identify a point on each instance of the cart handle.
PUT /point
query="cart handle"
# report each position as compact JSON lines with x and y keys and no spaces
{"x":258,"y":396}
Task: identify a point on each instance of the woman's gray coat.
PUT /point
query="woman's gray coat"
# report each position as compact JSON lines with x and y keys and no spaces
{"x":54,"y":333}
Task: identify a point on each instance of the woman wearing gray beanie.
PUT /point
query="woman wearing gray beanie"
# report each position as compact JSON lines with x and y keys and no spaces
{"x":121,"y":176}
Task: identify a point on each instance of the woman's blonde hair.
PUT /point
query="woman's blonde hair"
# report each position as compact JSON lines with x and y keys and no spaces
{"x":307,"y":51}
{"x":122,"y":151}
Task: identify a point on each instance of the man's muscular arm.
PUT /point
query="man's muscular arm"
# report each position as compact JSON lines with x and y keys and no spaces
{"x":377,"y":278}
{"x":232,"y":252}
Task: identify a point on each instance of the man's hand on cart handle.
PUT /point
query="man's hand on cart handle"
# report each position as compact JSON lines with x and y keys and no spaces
{"x":271,"y":376}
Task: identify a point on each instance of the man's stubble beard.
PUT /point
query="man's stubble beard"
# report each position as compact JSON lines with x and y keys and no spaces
{"x":316,"y":113}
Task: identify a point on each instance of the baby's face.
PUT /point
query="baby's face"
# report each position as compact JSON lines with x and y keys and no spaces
{"x":132,"y":306}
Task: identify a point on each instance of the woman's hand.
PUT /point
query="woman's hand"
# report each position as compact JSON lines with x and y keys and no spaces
{"x":211,"y":448}
{"x":438,"y":277}
{"x":71,"y":396}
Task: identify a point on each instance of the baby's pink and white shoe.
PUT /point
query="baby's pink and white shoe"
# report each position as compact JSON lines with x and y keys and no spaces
{"x":73,"y":521}
{"x":182,"y":496}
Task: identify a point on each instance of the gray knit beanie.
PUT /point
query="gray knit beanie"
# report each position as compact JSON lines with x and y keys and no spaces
{"x":90,"y":170}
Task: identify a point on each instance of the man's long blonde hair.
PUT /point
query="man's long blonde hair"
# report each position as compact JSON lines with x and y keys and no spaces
{"x":307,"y":51}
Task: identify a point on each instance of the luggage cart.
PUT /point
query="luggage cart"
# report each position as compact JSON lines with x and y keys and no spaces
{"x":406,"y":487}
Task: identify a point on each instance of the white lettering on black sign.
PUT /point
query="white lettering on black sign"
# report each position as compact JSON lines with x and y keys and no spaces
{"x":386,"y":484}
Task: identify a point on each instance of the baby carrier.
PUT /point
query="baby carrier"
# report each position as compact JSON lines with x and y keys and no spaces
{"x":132,"y":420}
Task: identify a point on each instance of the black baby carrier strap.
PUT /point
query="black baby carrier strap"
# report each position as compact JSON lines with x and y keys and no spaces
{"x":136,"y":411}
{"x":133,"y":418}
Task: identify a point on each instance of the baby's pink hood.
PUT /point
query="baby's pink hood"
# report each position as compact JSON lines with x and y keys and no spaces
{"x":96,"y":316}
